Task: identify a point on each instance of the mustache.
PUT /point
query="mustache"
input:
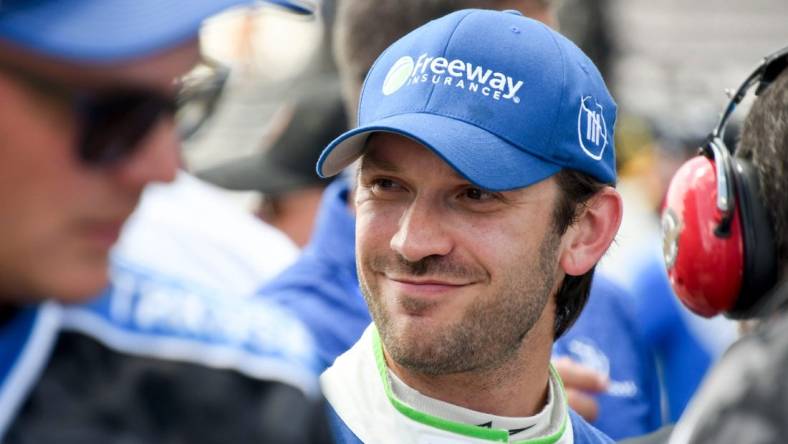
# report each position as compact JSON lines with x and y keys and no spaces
{"x":434,"y":266}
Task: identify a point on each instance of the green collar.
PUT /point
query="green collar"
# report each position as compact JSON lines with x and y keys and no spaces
{"x":495,"y":435}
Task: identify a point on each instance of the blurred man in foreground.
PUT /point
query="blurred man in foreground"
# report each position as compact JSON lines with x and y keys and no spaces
{"x":89,"y":96}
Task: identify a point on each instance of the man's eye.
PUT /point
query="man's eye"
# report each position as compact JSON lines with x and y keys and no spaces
{"x":478,"y":194}
{"x":384,"y":184}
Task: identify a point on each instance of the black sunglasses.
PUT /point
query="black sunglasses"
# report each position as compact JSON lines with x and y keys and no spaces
{"x":113,"y":122}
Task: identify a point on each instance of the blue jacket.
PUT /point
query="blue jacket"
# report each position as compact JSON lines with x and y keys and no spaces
{"x":92,"y":372}
{"x":606,"y":338}
{"x":322,"y":289}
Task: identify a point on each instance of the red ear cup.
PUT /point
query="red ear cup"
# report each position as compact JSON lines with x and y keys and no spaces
{"x":705,"y":268}
{"x":718,"y":238}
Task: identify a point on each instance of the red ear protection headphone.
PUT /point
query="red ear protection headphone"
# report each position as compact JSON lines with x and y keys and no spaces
{"x":718,"y":242}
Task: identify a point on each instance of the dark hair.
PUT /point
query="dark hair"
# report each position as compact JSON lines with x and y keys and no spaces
{"x":764,"y":142}
{"x":576,"y":189}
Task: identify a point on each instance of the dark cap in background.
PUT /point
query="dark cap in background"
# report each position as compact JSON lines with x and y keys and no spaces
{"x":312,"y":120}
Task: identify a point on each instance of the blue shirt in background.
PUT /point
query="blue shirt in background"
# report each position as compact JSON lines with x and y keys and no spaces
{"x":685,"y":344}
{"x":607,"y":339}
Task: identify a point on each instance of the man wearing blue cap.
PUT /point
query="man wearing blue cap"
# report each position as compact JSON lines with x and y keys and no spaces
{"x":87,"y":120}
{"x":484,"y":200}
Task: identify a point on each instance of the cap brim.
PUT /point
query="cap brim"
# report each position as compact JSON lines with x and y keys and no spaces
{"x":478,"y":155}
{"x":304,"y":7}
{"x":253,"y":173}
{"x":111,"y":31}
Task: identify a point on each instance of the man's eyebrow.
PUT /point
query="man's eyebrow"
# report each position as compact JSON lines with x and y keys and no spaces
{"x":370,"y":161}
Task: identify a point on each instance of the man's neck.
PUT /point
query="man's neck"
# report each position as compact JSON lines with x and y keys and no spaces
{"x":516,"y":388}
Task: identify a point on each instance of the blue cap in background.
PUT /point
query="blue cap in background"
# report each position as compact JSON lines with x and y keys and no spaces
{"x":106,"y":31}
{"x":503,"y":99}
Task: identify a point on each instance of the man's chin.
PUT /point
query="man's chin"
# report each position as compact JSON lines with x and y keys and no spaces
{"x":77,"y":284}
{"x":408,"y":327}
{"x":427,"y":358}
{"x":412,"y":340}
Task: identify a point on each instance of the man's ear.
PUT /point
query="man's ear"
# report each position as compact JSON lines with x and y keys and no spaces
{"x":588,"y":238}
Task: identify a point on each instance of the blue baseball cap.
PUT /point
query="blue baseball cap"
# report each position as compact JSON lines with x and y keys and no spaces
{"x":105,"y":31}
{"x":503,"y":99}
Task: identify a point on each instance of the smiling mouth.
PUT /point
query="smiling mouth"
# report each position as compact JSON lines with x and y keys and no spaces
{"x":424,"y":288}
{"x":425,"y":282}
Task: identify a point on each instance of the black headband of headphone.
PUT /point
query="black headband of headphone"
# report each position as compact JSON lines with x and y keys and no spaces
{"x":763,"y":76}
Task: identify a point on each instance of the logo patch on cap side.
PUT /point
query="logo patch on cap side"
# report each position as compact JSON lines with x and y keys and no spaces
{"x":398,"y":75}
{"x":591,"y":128}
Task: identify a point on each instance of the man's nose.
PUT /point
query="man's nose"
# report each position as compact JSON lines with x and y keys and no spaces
{"x":421,"y":232}
{"x":156,"y":160}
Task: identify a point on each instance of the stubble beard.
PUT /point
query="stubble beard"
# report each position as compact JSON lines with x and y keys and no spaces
{"x":489,"y":332}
